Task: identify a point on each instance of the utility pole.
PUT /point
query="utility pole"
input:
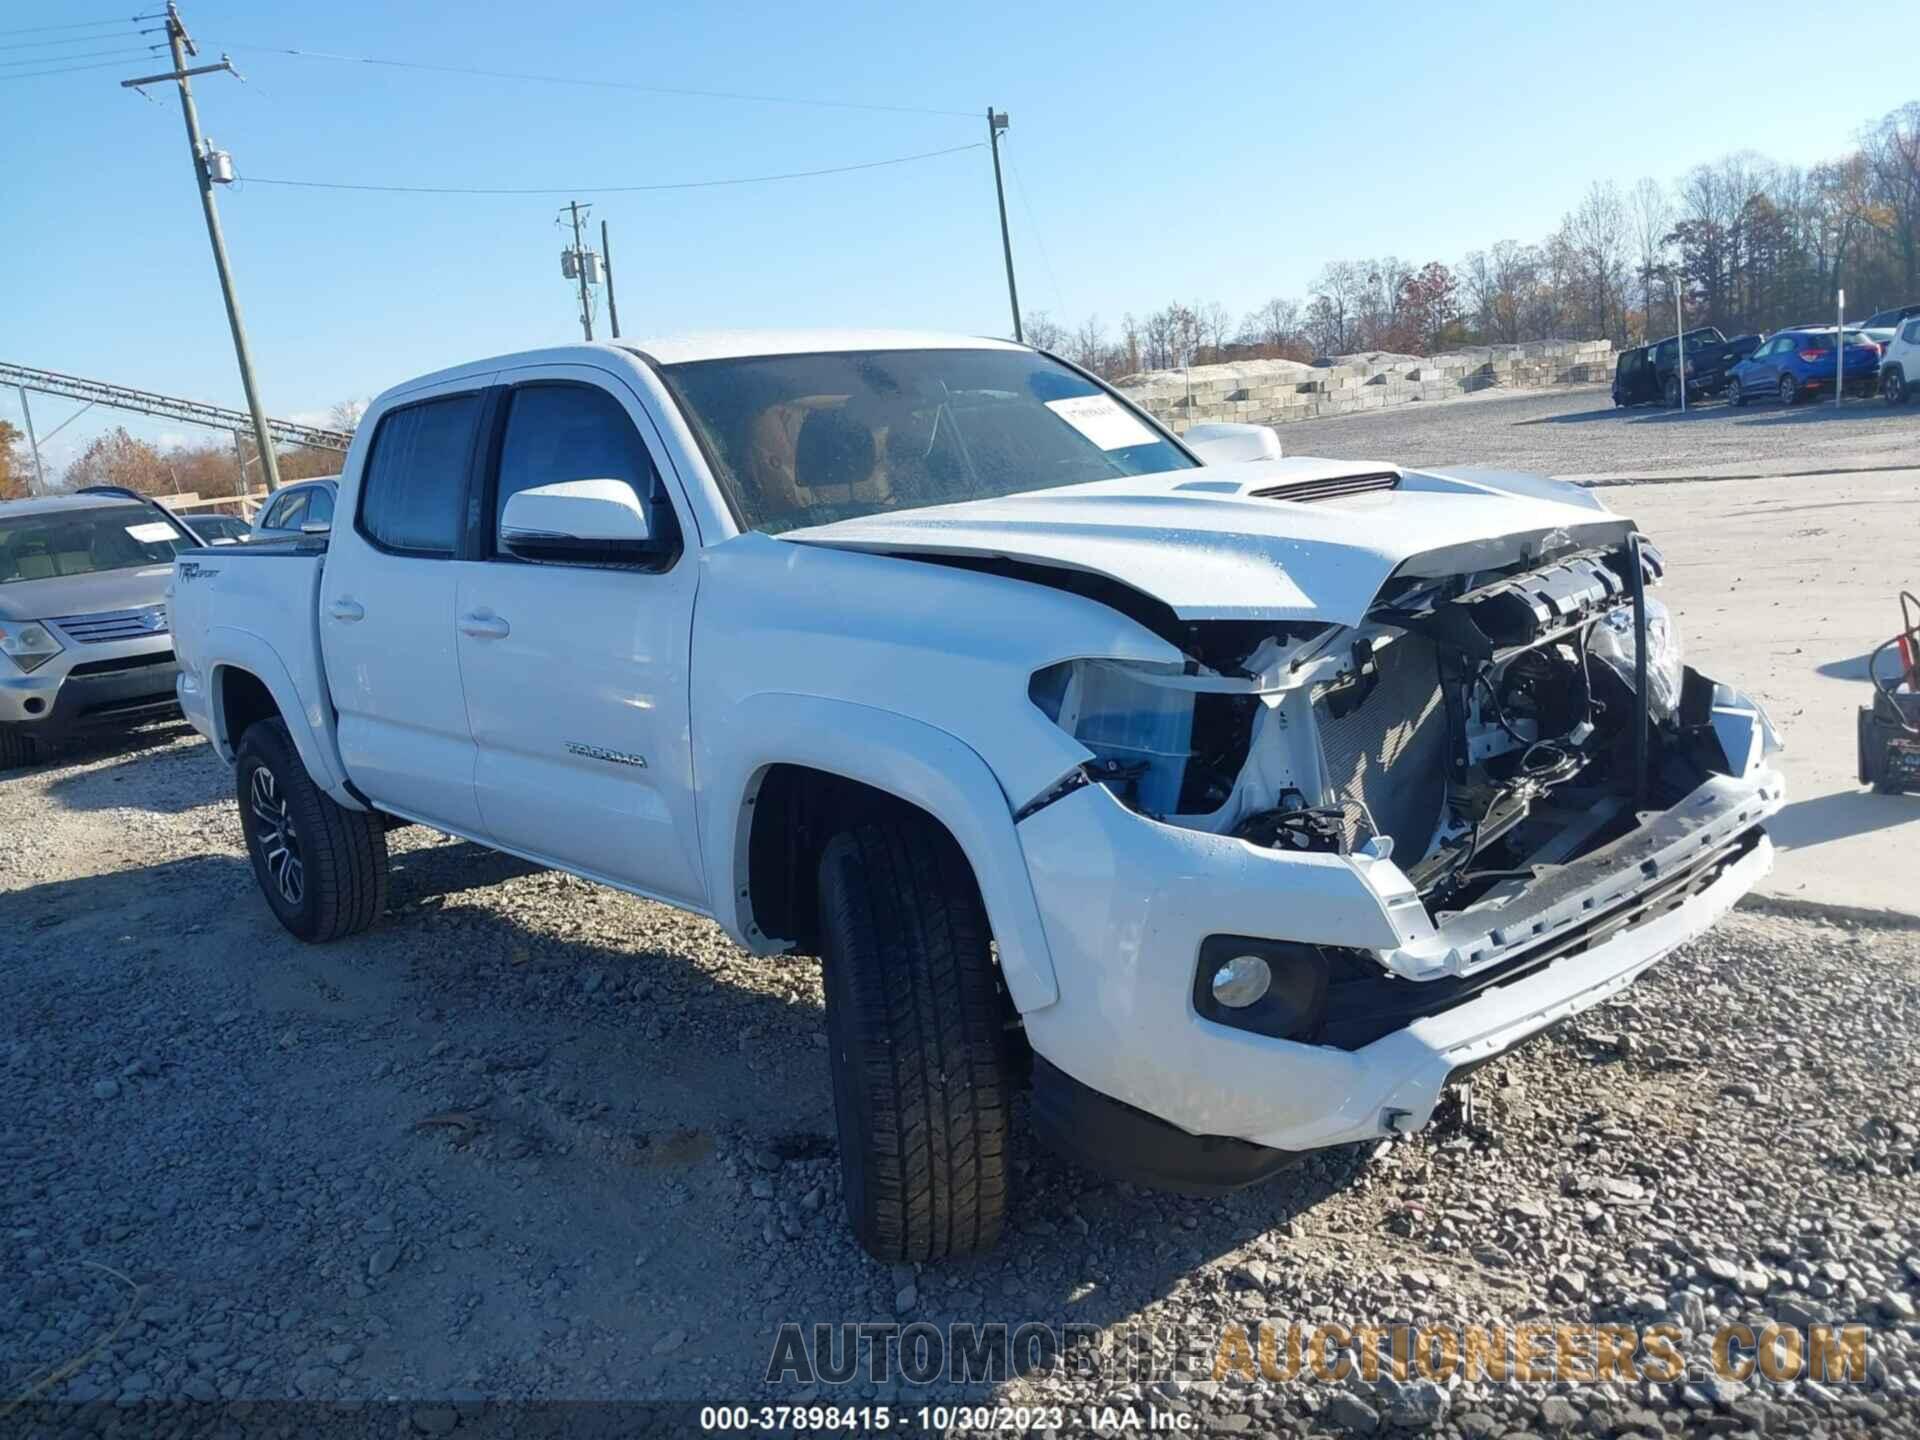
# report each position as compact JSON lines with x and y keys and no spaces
{"x":997,"y":122}
{"x":211,"y":167}
{"x":580,"y":269}
{"x":606,"y":254}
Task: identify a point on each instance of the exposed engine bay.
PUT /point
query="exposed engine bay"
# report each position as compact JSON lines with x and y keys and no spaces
{"x":1476,"y":728}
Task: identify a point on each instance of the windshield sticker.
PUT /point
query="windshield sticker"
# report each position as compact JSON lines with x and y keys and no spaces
{"x":1102,"y":421}
{"x":150,"y":531}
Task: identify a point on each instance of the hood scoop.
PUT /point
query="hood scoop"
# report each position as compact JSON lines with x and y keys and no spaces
{"x":1330,"y":487}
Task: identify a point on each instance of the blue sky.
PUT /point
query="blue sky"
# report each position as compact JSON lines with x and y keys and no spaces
{"x":1213,"y":151}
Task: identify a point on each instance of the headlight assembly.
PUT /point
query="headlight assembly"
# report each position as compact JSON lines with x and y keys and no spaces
{"x":27,"y":643}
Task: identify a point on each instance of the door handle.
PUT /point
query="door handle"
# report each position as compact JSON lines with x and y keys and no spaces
{"x":482,"y":625}
{"x":347,"y":610}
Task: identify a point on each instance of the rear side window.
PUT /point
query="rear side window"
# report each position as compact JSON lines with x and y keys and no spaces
{"x":1912,"y":333}
{"x":557,"y":433}
{"x":410,"y":498}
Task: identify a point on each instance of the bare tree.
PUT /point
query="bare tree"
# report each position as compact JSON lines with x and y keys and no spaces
{"x":1650,"y":220}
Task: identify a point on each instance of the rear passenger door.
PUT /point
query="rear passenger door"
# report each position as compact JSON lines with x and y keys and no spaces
{"x":387,"y":607}
{"x":576,"y":673}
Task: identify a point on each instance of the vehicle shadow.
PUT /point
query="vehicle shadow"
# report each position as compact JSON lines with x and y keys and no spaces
{"x":1856,"y":667}
{"x":1817,"y":412}
{"x":1825,"y":818}
{"x":91,"y":788}
{"x":1634,"y":415}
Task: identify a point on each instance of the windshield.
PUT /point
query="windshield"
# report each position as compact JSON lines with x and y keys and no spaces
{"x":47,"y":545}
{"x":809,"y":439}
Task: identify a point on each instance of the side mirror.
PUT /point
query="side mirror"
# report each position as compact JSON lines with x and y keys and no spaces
{"x":316,"y":527}
{"x":1221,"y":443}
{"x":577,"y":520}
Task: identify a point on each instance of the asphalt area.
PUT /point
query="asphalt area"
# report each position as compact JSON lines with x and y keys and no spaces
{"x":530,"y":1140}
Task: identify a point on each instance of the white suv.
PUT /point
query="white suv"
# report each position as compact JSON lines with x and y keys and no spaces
{"x":1900,"y":363}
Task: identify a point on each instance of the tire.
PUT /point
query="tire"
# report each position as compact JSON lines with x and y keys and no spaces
{"x":1893,"y":386}
{"x":1671,"y":394}
{"x":1789,"y":390}
{"x":1736,"y":393}
{"x":17,"y":751}
{"x":916,"y":1041}
{"x":322,"y":867}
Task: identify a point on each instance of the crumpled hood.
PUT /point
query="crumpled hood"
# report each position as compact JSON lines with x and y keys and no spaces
{"x":64,"y":595}
{"x":1200,"y":542}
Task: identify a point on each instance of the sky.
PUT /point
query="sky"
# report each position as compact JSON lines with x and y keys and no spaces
{"x":1199,"y":151}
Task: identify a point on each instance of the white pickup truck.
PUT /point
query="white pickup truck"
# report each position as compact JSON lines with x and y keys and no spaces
{"x":1236,"y":803}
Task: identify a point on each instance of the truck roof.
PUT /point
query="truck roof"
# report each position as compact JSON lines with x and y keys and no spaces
{"x":721,"y":345}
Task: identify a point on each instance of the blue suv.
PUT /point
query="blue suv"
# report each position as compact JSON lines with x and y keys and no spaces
{"x":1794,"y":363}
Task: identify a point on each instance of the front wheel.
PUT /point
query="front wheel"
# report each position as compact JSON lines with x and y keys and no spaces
{"x":1789,"y":390}
{"x":1893,"y":387}
{"x":1673,"y":393}
{"x":1736,"y":393}
{"x":322,"y":867}
{"x":916,"y":1040}
{"x":17,"y":750}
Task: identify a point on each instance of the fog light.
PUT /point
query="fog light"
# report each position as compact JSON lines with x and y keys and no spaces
{"x":1242,"y":981}
{"x":1267,"y":987}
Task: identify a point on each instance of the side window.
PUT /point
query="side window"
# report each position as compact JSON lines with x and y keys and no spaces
{"x":566,"y":432}
{"x":1667,"y":352}
{"x":1912,"y":333}
{"x":319,"y":507}
{"x":410,"y":491}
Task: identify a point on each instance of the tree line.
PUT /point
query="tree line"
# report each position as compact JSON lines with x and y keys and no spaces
{"x":210,"y":468}
{"x":1745,"y":243}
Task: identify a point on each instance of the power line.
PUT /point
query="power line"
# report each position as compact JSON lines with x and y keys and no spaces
{"x":67,"y":69}
{"x":603,"y":84}
{"x":1059,"y":296}
{"x":78,"y":25}
{"x":70,"y":40}
{"x":613,"y":189}
{"x":81,"y":55}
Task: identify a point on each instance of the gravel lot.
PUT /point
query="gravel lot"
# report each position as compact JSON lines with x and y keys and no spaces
{"x":530,"y":1138}
{"x":1577,"y":432}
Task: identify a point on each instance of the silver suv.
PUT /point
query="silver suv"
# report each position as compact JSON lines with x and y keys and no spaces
{"x":84,"y":638}
{"x":1900,"y":363}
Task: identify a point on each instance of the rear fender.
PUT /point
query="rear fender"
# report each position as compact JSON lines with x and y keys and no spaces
{"x":309,"y":719}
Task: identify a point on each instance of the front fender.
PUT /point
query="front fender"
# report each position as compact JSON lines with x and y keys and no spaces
{"x":309,"y":722}
{"x":905,"y":758}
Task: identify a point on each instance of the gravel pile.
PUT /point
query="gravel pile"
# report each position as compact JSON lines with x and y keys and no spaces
{"x":534,"y":1139}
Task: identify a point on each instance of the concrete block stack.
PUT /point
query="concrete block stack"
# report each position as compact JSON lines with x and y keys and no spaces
{"x":1276,"y":392}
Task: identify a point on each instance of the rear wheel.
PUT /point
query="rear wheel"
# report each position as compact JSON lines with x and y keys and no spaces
{"x":322,"y":867}
{"x":1893,"y":386}
{"x":915,"y":1033}
{"x":1789,"y":390}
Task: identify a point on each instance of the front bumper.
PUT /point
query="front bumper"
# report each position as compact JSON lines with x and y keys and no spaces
{"x":1126,"y":903}
{"x":76,"y":693}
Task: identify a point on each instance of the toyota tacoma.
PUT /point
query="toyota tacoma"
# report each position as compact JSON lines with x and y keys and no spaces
{"x":1237,"y":805}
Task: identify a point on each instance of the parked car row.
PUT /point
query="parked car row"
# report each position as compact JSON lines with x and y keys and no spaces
{"x":85,"y":631}
{"x":1802,"y":362}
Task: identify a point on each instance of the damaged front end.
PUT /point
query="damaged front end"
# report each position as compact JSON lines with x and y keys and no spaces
{"x":1513,"y":756}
